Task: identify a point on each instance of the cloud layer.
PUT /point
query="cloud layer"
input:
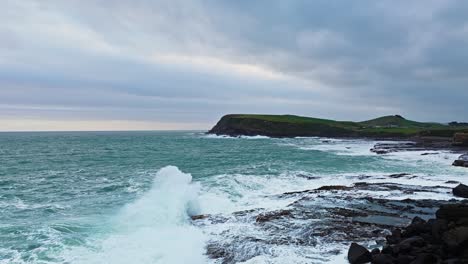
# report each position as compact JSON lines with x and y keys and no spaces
{"x":173,"y":64}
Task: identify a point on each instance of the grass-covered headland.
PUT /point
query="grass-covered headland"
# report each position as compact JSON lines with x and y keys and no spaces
{"x":295,"y":126}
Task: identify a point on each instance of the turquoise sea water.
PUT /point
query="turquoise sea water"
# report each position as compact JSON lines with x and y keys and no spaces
{"x":110,"y":197}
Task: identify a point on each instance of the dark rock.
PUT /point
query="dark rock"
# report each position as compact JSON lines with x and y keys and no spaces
{"x":382,"y":259}
{"x":426,"y":259}
{"x":405,"y":259}
{"x":461,"y":191}
{"x":399,"y":175}
{"x":429,"y":153}
{"x":358,"y":254}
{"x":462,"y":161}
{"x":387,"y":250}
{"x":415,"y":241}
{"x":456,"y":238}
{"x":375,"y":251}
{"x":198,"y":217}
{"x":265,"y":217}
{"x":452,"y":182}
{"x":395,"y":238}
{"x":438,"y":227}
{"x":417,"y":226}
{"x":333,"y":187}
{"x":452,"y":212}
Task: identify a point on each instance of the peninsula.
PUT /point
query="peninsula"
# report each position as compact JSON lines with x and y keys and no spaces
{"x":386,"y":127}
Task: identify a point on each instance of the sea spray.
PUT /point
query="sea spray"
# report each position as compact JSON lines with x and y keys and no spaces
{"x":153,"y":229}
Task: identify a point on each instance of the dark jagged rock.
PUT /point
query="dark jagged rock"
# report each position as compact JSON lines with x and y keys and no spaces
{"x":461,"y":191}
{"x":358,"y":254}
{"x":441,"y":240}
{"x":265,"y":217}
{"x":198,"y":217}
{"x":452,"y":212}
{"x":452,"y":182}
{"x":429,"y":153}
{"x":333,"y":187}
{"x":462,"y":161}
{"x":385,"y":148}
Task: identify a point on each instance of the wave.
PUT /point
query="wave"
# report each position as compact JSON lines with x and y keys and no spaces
{"x":153,"y":229}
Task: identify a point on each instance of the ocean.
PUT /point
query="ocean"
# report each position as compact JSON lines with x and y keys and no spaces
{"x":128,"y":197}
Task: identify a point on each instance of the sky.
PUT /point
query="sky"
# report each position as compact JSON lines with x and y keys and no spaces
{"x":180,"y":64}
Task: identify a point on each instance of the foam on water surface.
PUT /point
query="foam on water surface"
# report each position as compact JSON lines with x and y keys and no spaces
{"x":153,"y":229}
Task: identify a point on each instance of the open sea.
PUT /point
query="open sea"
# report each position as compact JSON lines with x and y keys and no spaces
{"x":127,"y":197}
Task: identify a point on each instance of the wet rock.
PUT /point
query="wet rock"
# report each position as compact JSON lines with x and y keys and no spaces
{"x":395,"y":238}
{"x":452,"y":182}
{"x":198,"y":217}
{"x":382,"y":259}
{"x":417,"y":226}
{"x":439,"y":226}
{"x":429,"y":153}
{"x":456,"y":238}
{"x":426,"y":259}
{"x":399,"y":175}
{"x":441,"y":240}
{"x":461,"y":191}
{"x":333,"y":188}
{"x":265,"y":217}
{"x":462,"y":161}
{"x":358,"y":254}
{"x":385,"y":148}
{"x":347,"y":212}
{"x":452,"y":212}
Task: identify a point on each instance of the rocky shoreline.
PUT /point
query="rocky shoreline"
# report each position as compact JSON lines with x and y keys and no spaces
{"x":314,"y":218}
{"x":443,"y":239}
{"x":421,"y":144}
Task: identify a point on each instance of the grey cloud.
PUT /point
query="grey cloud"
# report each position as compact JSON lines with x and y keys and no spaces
{"x":336,"y":59}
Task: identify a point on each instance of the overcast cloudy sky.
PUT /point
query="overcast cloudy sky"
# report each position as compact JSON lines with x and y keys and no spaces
{"x":179,"y":64}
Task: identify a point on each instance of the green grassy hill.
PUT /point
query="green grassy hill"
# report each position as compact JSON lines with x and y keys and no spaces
{"x":292,"y":126}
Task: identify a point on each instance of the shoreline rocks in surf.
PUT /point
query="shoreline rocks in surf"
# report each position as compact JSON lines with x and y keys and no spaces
{"x":325,"y":216}
{"x":462,"y":161}
{"x":443,"y":239}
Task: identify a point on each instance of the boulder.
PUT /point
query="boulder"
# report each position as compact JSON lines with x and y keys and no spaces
{"x":427,"y":259}
{"x":358,"y":254}
{"x":462,"y":161}
{"x":382,"y":259}
{"x":460,"y":139}
{"x":452,"y":212}
{"x":456,"y":238}
{"x":461,"y":191}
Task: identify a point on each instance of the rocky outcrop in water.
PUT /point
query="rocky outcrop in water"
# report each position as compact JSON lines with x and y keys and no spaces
{"x":385,"y":148}
{"x":461,"y":191}
{"x":440,"y":240}
{"x":328,"y":215}
{"x":462,"y":161}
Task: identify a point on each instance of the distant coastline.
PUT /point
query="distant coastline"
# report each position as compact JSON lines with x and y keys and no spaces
{"x":386,"y":127}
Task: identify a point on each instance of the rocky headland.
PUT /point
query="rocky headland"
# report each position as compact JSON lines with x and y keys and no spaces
{"x":386,"y":127}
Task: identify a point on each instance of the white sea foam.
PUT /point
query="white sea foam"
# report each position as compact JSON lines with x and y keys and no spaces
{"x":213,"y":136}
{"x":153,"y":229}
